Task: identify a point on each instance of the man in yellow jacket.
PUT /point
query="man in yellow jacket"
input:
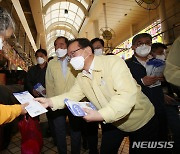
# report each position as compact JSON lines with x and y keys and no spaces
{"x":107,"y":82}
{"x":172,"y":69}
{"x":60,"y":77}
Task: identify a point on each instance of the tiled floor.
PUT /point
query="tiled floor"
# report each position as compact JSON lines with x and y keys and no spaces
{"x":49,"y":148}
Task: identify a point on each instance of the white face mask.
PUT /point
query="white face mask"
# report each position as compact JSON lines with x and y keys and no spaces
{"x":61,"y":52}
{"x":40,"y":60}
{"x":143,"y":50}
{"x":1,"y":43}
{"x":77,"y":62}
{"x":161,"y":57}
{"x":98,"y":52}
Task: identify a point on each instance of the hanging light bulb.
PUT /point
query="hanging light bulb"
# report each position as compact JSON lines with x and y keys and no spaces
{"x":66,"y":13}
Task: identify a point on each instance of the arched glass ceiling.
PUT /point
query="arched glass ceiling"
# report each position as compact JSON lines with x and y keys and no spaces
{"x":57,"y":33}
{"x":84,"y":2}
{"x":55,"y":13}
{"x":54,"y":34}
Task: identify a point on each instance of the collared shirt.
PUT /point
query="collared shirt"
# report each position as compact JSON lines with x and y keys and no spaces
{"x":64,"y":64}
{"x":143,"y":62}
{"x":89,"y":73}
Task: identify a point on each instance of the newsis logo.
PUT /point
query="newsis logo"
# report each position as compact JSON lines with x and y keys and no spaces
{"x":153,"y":144}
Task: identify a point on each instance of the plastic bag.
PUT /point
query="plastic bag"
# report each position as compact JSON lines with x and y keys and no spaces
{"x":32,"y":140}
{"x":155,"y":67}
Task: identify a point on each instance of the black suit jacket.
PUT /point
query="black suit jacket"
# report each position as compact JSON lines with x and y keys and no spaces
{"x":155,"y":94}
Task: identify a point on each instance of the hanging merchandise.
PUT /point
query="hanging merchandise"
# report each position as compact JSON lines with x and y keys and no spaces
{"x":14,"y":59}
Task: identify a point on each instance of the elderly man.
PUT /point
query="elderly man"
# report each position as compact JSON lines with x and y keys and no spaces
{"x":8,"y":112}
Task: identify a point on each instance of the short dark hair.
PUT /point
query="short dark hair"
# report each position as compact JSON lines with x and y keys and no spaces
{"x":61,"y":37}
{"x":83,"y":43}
{"x":50,"y":58}
{"x":109,"y":53}
{"x":97,"y":39}
{"x":157,"y":45}
{"x":141,"y":35}
{"x":43,"y":51}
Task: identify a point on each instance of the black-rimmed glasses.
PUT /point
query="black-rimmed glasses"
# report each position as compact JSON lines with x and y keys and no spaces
{"x":142,"y":43}
{"x":73,"y":52}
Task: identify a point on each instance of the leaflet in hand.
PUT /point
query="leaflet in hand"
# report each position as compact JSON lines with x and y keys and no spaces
{"x":155,"y":67}
{"x":34,"y":108}
{"x":155,"y":71}
{"x":40,"y":89}
{"x":76,"y":108}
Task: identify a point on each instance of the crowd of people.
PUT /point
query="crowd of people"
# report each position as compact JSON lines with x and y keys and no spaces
{"x":130,"y":101}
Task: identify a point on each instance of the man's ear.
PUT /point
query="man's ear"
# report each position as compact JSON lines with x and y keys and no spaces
{"x":133,"y":47}
{"x":46,"y":59}
{"x":88,"y":50}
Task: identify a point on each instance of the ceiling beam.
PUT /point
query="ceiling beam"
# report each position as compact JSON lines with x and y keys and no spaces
{"x":60,"y":23}
{"x":52,"y":39}
{"x":36,"y":9}
{"x":23,"y":20}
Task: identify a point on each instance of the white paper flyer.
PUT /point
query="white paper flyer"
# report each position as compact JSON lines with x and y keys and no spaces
{"x":34,"y":108}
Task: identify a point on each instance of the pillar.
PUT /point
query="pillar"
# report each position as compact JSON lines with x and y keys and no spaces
{"x":38,"y":40}
{"x":96,"y":28}
{"x":164,"y":24}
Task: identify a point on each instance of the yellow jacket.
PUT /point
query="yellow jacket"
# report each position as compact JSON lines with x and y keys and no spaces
{"x":9,"y":112}
{"x":172,"y":69}
{"x":114,"y":92}
{"x":56,"y":84}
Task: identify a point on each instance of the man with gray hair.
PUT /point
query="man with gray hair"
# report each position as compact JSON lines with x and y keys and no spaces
{"x":8,"y":112}
{"x":7,"y":25}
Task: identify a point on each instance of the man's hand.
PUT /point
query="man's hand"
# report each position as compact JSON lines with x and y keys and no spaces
{"x":23,"y":110}
{"x":149,"y":80}
{"x":161,"y":78}
{"x":44,"y":92}
{"x":168,"y":99}
{"x":45,"y":102}
{"x":92,"y":115}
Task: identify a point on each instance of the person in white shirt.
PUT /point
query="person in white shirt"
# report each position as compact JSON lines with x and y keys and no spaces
{"x":98,"y":46}
{"x":60,"y":77}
